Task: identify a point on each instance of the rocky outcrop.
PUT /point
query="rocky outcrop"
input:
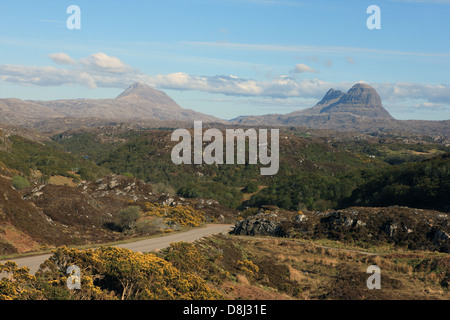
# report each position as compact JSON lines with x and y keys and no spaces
{"x":264,"y":223}
{"x":119,"y":186}
{"x":415,"y":228}
{"x":258,"y":226}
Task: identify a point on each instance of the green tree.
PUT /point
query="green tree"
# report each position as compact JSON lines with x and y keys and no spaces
{"x":251,"y":187}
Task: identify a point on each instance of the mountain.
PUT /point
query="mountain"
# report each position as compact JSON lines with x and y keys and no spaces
{"x":138,"y":102}
{"x":144,"y":92}
{"x":361,"y":100}
{"x":332,"y":96}
{"x":360,"y":109}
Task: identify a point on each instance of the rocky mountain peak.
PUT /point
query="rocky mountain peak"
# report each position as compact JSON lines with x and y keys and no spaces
{"x":331,"y":95}
{"x":361,"y":100}
{"x":142,"y":91}
{"x":362,"y":93}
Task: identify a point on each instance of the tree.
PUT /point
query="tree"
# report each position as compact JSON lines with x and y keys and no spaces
{"x":127,"y":217}
{"x":251,"y":187}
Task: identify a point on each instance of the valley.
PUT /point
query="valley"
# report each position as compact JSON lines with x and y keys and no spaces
{"x":374,"y":193}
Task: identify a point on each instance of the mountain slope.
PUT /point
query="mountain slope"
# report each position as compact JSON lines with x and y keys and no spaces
{"x":139,"y":101}
{"x":361,"y":100}
{"x":424,"y":184}
{"x":360,"y":109}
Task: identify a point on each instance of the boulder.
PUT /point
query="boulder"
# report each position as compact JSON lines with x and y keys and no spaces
{"x":257,"y":226}
{"x":300,"y":218}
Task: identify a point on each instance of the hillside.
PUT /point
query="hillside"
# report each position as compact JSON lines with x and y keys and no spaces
{"x":49,"y":215}
{"x":38,"y":161}
{"x":146,"y":155}
{"x":317,"y":169}
{"x":52,"y":198}
{"x":425,"y":184}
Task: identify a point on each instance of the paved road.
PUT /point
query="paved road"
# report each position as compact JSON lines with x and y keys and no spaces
{"x":33,"y":262}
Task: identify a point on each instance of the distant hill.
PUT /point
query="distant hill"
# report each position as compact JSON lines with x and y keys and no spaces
{"x":424,"y":184}
{"x":138,"y":102}
{"x":146,"y":155}
{"x":360,"y":109}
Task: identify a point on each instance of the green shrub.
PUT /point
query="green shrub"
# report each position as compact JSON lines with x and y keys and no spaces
{"x":127,"y":217}
{"x":251,"y":187}
{"x":20,"y":182}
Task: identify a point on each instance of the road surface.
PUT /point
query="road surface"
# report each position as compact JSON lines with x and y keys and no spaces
{"x":147,"y":245}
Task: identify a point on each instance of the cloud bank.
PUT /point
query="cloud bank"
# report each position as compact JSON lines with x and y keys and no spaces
{"x":102,"y":70}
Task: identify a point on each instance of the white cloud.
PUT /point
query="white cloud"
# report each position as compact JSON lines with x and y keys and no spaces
{"x":406,"y":90}
{"x":430,"y":106}
{"x":97,"y":70}
{"x":303,"y":68}
{"x":101,"y":70}
{"x":62,"y":58}
{"x":45,"y":76}
{"x":103,"y":62}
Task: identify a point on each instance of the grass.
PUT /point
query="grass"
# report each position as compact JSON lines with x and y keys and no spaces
{"x":301,"y":269}
{"x":376,"y":249}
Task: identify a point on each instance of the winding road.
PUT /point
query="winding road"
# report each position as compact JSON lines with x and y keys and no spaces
{"x":147,"y":245}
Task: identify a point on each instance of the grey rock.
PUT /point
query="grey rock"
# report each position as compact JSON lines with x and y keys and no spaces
{"x":300,"y":218}
{"x":253,"y":227}
{"x":390,"y":229}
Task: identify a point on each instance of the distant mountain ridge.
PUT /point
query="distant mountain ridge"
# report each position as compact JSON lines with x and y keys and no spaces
{"x":139,"y":101}
{"x":360,"y":109}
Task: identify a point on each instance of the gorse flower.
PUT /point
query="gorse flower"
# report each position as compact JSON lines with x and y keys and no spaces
{"x":185,"y":216}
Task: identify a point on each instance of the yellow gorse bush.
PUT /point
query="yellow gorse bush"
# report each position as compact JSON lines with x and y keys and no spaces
{"x":105,"y":273}
{"x":16,"y":283}
{"x":248,"y":267}
{"x":185,"y":216}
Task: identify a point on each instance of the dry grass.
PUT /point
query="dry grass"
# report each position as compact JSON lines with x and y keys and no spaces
{"x":21,"y":241}
{"x":386,"y":264}
{"x":62,"y":181}
{"x":295,"y":275}
{"x":335,"y":273}
{"x":242,"y":292}
{"x":242,"y":279}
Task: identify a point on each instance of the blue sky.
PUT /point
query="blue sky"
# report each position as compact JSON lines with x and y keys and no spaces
{"x":230,"y":57}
